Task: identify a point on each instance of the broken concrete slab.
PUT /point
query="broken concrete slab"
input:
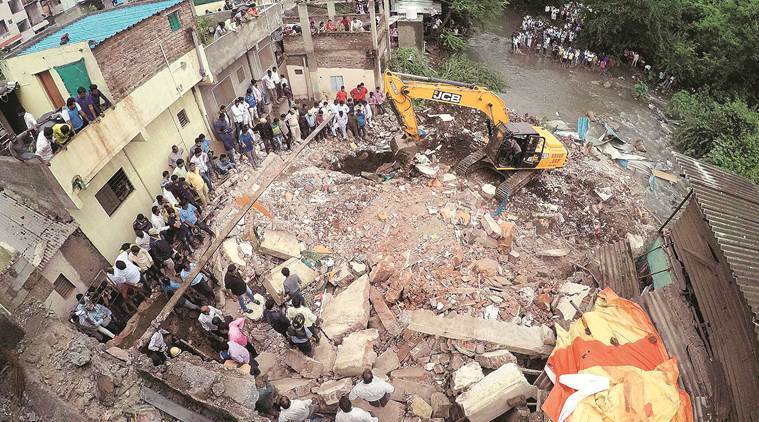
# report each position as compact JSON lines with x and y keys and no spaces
{"x":381,"y":272}
{"x":386,"y":362}
{"x":232,"y":252}
{"x":495,"y":359}
{"x":356,"y":353}
{"x":299,"y":387}
{"x":273,"y":281}
{"x":419,"y":407}
{"x":421,"y":352}
{"x":412,"y":372}
{"x":441,"y":405}
{"x":495,"y":394}
{"x":385,"y":314}
{"x":466,"y":376}
{"x":266,"y":362}
{"x":396,"y":286}
{"x":280,"y":244}
{"x":571,"y":299}
{"x":348,"y":311}
{"x":325,"y":353}
{"x":304,"y":365}
{"x":532,"y":341}
{"x":556,"y":253}
{"x":486,"y":267}
{"x":332,"y":390}
{"x":392,"y":412}
{"x":405,"y":388}
{"x":487,"y":191}
{"x":491,"y":227}
{"x":342,"y":276}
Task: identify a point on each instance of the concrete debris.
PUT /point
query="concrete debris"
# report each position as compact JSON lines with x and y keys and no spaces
{"x":78,"y":352}
{"x":293,"y":387}
{"x":412,"y":372}
{"x":392,"y":412}
{"x":427,"y":170}
{"x":343,"y":275}
{"x":405,"y":389}
{"x":304,"y":365}
{"x":636,"y":242}
{"x":486,"y":267}
{"x":488,"y":191}
{"x":386,"y":362}
{"x":325,"y":353}
{"x":465,"y":376}
{"x":274,"y":280}
{"x":356,"y":353}
{"x":280,"y":244}
{"x":441,"y":405}
{"x":532,"y":341}
{"x":348,"y":311}
{"x":396,"y":286}
{"x":495,"y":359}
{"x":448,"y":178}
{"x":571,"y":299}
{"x":495,"y":394}
{"x":332,"y":390}
{"x":385,"y":314}
{"x":358,"y":268}
{"x":557,"y":252}
{"x":381,"y":272}
{"x":419,"y":407}
{"x":491,"y":227}
{"x":231,"y":251}
{"x":256,"y":311}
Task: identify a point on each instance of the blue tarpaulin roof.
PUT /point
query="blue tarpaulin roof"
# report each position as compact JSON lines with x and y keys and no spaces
{"x":100,"y":26}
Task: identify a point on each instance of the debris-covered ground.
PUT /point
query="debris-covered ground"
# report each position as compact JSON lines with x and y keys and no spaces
{"x":387,"y":250}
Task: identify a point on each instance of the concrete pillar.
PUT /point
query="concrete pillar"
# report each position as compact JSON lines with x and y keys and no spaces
{"x":375,"y":45}
{"x":386,"y":22}
{"x":308,"y":45}
{"x":331,"y":10}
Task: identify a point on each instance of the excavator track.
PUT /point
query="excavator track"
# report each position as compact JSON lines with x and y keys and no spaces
{"x":463,"y":166}
{"x":515,"y":181}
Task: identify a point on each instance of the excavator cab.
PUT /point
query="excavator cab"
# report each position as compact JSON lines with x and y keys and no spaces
{"x":505,"y":155}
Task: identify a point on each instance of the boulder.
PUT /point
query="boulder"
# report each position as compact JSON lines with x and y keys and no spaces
{"x":299,"y":387}
{"x":356,"y":353}
{"x":412,"y":372}
{"x":381,"y":272}
{"x":495,"y":359}
{"x":325,"y":353}
{"x":487,"y":191}
{"x":467,"y":375}
{"x":419,"y":407}
{"x":441,"y":405}
{"x":348,"y":311}
{"x":486,"y":267}
{"x":397,"y":284}
{"x":332,"y":390}
{"x":495,"y":394}
{"x":304,"y":365}
{"x":232,"y":252}
{"x":405,"y":388}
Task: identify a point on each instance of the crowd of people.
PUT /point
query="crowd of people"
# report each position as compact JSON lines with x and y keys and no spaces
{"x":555,"y":35}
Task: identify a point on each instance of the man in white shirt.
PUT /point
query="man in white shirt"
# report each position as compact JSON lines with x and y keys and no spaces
{"x":271,"y":86}
{"x":44,"y":146}
{"x":294,"y":410}
{"x":207,"y":314}
{"x":127,"y":271}
{"x":357,"y":25}
{"x":239,"y":113}
{"x":156,"y":218}
{"x":348,"y":413}
{"x":342,"y":123}
{"x":374,"y":390}
{"x":277,"y":81}
{"x":201,"y":161}
{"x":29,"y":120}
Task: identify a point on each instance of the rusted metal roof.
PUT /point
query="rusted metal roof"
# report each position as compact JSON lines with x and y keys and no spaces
{"x":730,"y":204}
{"x":617,"y":269}
{"x":674,"y":320}
{"x":35,"y":236}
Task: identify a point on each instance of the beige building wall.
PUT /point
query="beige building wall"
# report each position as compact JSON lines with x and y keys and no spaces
{"x":351,"y":78}
{"x":55,"y":302}
{"x":142,"y":161}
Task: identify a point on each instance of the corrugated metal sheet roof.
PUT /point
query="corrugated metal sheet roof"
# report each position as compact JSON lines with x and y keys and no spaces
{"x":617,"y":269}
{"x":100,"y":26}
{"x":730,"y":204}
{"x":35,"y":236}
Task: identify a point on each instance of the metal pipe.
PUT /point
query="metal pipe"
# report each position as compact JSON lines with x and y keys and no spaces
{"x":676,"y":210}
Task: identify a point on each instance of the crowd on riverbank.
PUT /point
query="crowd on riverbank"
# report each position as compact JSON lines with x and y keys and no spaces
{"x":555,"y":35}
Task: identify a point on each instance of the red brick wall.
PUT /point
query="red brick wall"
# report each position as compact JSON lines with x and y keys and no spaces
{"x":133,"y":56}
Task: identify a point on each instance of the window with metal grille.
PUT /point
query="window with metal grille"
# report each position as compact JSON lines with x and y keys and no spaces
{"x":241,"y":75}
{"x":183,"y":119}
{"x":114,"y":192}
{"x":63,"y":286}
{"x":174,"y":22}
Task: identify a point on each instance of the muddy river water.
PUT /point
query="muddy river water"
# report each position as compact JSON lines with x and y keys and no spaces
{"x":541,"y":87}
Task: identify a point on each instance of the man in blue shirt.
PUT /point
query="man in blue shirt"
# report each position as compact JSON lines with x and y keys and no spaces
{"x":224,"y":133}
{"x":74,"y":116}
{"x":199,"y":282}
{"x":250,"y":99}
{"x":189,"y":215}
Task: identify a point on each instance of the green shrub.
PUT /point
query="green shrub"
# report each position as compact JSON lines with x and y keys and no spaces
{"x":640,"y":91}
{"x":452,"y":42}
{"x":456,"y":68}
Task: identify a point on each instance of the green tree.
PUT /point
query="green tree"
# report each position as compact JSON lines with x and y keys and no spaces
{"x":457,"y":67}
{"x":472,"y":13}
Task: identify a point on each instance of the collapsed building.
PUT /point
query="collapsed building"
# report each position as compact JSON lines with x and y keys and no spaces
{"x":414,"y":275}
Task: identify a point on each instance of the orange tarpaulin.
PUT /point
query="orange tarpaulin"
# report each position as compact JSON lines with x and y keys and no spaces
{"x":624,"y":371}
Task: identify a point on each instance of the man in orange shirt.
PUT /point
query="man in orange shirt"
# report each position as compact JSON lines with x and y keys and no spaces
{"x":341,"y":96}
{"x":359,"y":93}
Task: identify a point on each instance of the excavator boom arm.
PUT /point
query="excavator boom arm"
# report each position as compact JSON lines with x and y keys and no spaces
{"x":402,"y":91}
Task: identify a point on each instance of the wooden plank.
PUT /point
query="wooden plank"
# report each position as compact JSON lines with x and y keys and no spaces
{"x":386,"y":316}
{"x":170,"y":407}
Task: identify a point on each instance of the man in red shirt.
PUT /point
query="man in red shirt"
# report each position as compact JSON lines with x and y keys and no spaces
{"x":359,"y":93}
{"x":346,"y":23}
{"x":341,"y":96}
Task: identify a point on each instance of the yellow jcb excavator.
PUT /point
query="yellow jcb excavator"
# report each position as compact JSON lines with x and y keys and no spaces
{"x":518,"y":151}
